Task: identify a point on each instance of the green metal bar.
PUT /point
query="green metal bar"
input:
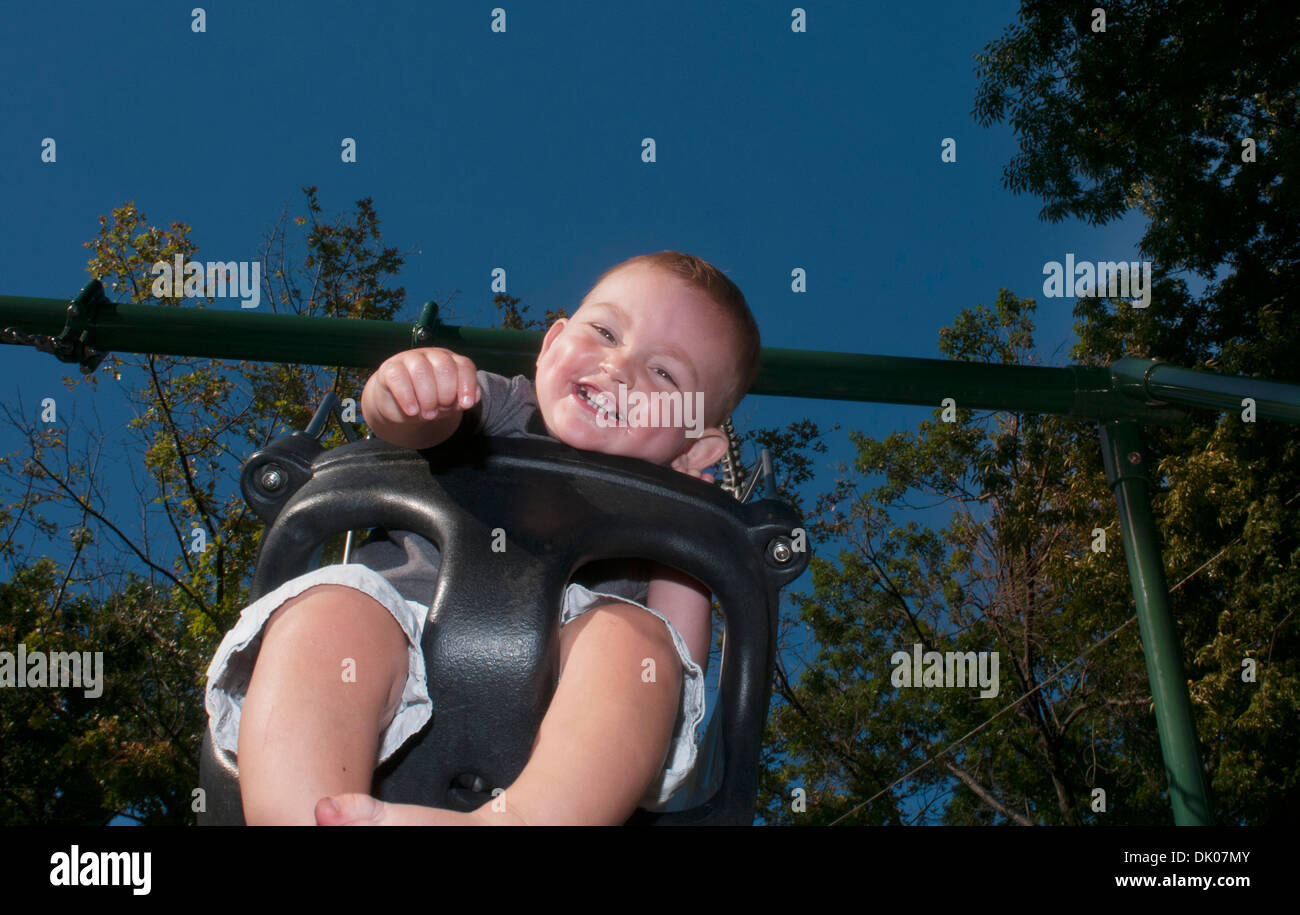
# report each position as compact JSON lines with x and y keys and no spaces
{"x":208,"y":332}
{"x":1136,"y":389}
{"x":1125,"y":461}
{"x":1078,"y":391}
{"x":1147,"y":380}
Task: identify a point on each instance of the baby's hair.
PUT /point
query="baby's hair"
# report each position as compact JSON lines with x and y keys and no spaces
{"x":730,"y":300}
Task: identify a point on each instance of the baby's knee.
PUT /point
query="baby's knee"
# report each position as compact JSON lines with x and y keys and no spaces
{"x":336,"y":634}
{"x":333,"y":620}
{"x":335,"y":610}
{"x":630,"y":627}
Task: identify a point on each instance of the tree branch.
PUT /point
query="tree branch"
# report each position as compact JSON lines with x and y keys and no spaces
{"x":985,"y":795}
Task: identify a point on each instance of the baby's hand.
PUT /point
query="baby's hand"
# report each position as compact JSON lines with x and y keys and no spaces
{"x":681,"y":465}
{"x":420,"y":384}
{"x":706,"y":477}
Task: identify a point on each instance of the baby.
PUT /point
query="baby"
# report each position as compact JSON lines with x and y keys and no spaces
{"x":308,"y":739}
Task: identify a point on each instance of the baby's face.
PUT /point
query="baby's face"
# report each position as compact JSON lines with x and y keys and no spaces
{"x":649,"y":330}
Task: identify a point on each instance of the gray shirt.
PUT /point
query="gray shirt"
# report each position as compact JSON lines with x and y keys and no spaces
{"x":508,"y":408}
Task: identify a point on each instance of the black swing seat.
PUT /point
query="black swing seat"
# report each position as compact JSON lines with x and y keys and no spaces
{"x":491,"y":641}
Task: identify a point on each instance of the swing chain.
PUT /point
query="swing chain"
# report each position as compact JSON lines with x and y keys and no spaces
{"x":733,"y":470}
{"x":740,"y":482}
{"x":43,"y":342}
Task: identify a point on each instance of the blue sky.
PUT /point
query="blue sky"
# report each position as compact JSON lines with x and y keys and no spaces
{"x":481,"y":149}
{"x":522,"y":150}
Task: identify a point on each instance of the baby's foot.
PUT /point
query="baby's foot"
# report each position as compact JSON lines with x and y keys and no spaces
{"x":364,"y":810}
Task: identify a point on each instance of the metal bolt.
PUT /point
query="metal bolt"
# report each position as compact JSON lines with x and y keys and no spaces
{"x":779,"y":549}
{"x":1134,"y":457}
{"x":422,"y":334}
{"x":272,"y":478}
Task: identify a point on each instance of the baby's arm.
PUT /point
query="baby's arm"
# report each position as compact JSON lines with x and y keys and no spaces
{"x":415,"y":399}
{"x":685,"y":603}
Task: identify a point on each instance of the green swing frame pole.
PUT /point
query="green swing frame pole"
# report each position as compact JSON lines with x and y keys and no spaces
{"x":1130,"y":389}
{"x":92,"y":322}
{"x":1126,"y":463}
{"x":1146,"y":379}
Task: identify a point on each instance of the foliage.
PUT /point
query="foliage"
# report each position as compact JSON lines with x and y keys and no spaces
{"x":154,"y":603}
{"x":1012,"y":572}
{"x":515,"y":318}
{"x":1152,"y":114}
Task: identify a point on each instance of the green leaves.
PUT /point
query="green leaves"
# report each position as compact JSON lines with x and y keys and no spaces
{"x":1005,"y":567}
{"x":157,"y":592}
{"x":1153,"y":114}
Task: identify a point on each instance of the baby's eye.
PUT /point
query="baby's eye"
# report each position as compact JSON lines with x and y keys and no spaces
{"x":603,"y":332}
{"x":668,"y":377}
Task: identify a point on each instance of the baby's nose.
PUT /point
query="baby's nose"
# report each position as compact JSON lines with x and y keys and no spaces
{"x":614,"y":369}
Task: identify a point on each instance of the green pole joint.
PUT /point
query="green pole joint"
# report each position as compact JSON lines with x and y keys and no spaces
{"x":1126,"y":462}
{"x":74,"y":344}
{"x":422,"y":331}
{"x":77,"y":341}
{"x":1162,"y":383}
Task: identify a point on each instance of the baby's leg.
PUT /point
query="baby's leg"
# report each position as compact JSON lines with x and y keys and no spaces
{"x":328,"y":679}
{"x":607,"y":731}
{"x":602,"y":742}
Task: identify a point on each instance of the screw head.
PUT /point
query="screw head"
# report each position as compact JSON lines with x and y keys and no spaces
{"x":779,"y":549}
{"x":1134,"y":457}
{"x":272,"y":478}
{"x":422,"y":334}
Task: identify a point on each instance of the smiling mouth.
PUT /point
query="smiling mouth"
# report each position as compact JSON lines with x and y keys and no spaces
{"x":587,"y":395}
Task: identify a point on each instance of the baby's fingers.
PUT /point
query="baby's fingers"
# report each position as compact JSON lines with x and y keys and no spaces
{"x":467,"y":383}
{"x":397,"y":391}
{"x":454,"y":379}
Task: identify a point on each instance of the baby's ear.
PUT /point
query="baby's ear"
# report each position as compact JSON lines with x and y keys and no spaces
{"x":702,"y":452}
{"x":552,"y":332}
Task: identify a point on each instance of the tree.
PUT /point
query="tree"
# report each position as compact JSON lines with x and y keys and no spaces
{"x":1188,"y":112}
{"x":1013,"y":572}
{"x":1156,"y":113}
{"x":158,"y":597}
